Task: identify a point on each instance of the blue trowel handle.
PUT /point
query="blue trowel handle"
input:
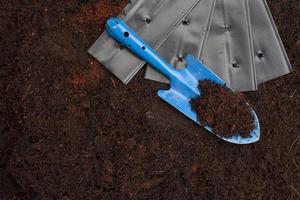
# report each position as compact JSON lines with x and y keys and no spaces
{"x":117,"y":29}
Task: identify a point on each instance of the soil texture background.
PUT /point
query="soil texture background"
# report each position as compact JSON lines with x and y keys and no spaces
{"x":70,"y":130}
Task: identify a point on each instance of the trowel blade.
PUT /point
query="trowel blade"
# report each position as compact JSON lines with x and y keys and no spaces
{"x":180,"y":98}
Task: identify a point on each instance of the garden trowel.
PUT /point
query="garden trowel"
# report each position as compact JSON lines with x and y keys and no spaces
{"x":183,"y":82}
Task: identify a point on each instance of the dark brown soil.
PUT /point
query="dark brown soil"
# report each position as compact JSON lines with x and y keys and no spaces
{"x":225,"y":111}
{"x":71,"y":130}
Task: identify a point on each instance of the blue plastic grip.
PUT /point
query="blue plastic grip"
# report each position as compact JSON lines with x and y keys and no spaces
{"x":117,"y":29}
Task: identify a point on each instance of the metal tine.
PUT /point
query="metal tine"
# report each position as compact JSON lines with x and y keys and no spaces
{"x":263,"y":60}
{"x":174,"y":44}
{"x":271,"y":60}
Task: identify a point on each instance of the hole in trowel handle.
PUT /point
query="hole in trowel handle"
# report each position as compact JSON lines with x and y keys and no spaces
{"x":126,"y":34}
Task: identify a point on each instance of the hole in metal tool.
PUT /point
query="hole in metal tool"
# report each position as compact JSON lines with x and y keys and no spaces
{"x":148,"y":20}
{"x":120,"y":46}
{"x":185,"y":22}
{"x":260,"y":55}
{"x":143,"y":48}
{"x":235,"y":65}
{"x":180,"y":59}
{"x":126,"y":34}
{"x":226,"y":28}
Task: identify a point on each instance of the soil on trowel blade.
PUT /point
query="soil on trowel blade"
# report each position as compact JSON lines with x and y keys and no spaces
{"x":224,"y":110}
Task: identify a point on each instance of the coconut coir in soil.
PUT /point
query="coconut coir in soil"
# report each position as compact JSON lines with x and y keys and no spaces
{"x":224,"y":110}
{"x":71,"y":130}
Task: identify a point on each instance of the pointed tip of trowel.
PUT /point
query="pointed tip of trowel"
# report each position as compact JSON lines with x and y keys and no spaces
{"x":254,"y":135}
